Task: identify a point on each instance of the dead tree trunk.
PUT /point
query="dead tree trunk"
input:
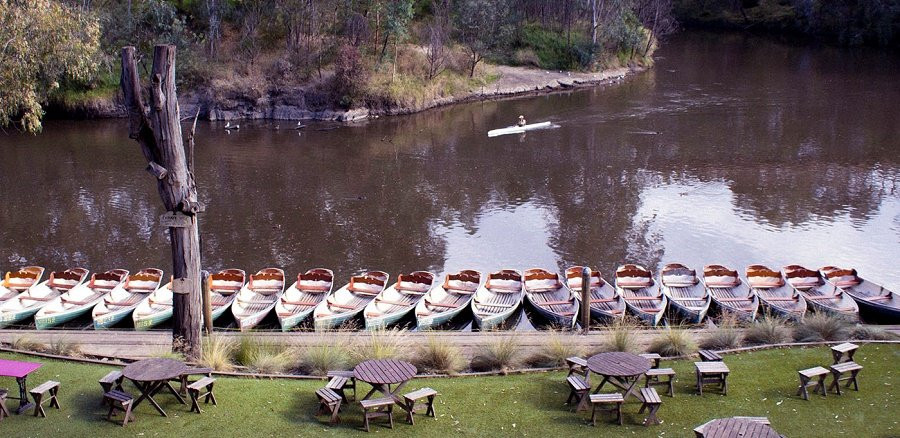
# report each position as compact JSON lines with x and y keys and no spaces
{"x":157,"y":129}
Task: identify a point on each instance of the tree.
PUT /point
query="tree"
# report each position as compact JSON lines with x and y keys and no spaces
{"x":657,"y":17}
{"x":484,"y":26}
{"x":42,"y":42}
{"x":396,"y":24}
{"x":437,"y":33}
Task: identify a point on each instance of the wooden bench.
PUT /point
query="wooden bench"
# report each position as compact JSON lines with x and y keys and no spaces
{"x":652,"y":402}
{"x":709,"y":356}
{"x":111,"y":381}
{"x":120,"y":401}
{"x":3,"y":411}
{"x":615,"y":399}
{"x":838,"y":352}
{"x":653,"y":377}
{"x":194,"y":389}
{"x":698,"y":431}
{"x":712,"y":372}
{"x":655,"y":358}
{"x":336,"y":384}
{"x":577,"y":365}
{"x":351,"y":379}
{"x":806,"y":380}
{"x":184,"y":378}
{"x":376,"y":408}
{"x":579,"y":389}
{"x":837,"y":370}
{"x":411,"y":405}
{"x":51,"y":387}
{"x":329,"y":403}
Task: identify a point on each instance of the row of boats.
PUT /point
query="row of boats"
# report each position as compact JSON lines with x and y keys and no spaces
{"x":678,"y":294}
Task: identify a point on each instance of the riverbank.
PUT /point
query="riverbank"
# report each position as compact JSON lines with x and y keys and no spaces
{"x":232,"y":101}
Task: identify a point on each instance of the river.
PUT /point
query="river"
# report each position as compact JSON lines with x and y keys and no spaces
{"x":732,"y":150}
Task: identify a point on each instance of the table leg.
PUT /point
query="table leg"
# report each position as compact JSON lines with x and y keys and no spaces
{"x":602,"y":382}
{"x":173,"y":391}
{"x":24,"y":404}
{"x":147,"y":389}
{"x":630,"y":389}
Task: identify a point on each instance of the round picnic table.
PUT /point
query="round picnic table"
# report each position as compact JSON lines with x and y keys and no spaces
{"x":382,"y":373}
{"x":738,"y":428}
{"x":622,"y":370}
{"x":152,"y":375}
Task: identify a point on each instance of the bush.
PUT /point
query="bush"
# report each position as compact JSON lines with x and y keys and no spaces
{"x":870,"y":333}
{"x":217,"y":354}
{"x":61,"y":347}
{"x":263,"y":355}
{"x":501,"y":353}
{"x":438,"y":354}
{"x":821,"y":327}
{"x":324,"y":355}
{"x":673,"y":342}
{"x":768,"y":330}
{"x":350,"y":74}
{"x":556,"y":349}
{"x":26,"y":343}
{"x":621,"y":338}
{"x":724,"y":337}
{"x":381,"y":344}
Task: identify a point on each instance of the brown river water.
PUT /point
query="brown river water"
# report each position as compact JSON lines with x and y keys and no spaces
{"x":732,"y":150}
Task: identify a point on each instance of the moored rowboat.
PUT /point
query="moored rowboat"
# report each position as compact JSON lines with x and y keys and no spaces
{"x":642,"y":294}
{"x":820,"y":295}
{"x":518,"y":129}
{"x":606,"y":305}
{"x":779,"y":298}
{"x":688,"y":299}
{"x":876,"y":304}
{"x":258,"y":297}
{"x":16,"y":282}
{"x":398,"y":300}
{"x":443,"y":303}
{"x":303,"y":296}
{"x":79,"y":300}
{"x":28,"y":303}
{"x":155,"y":309}
{"x":730,"y":293}
{"x":348,"y":301}
{"x":497,"y":299}
{"x":223,"y":289}
{"x":121,"y":301}
{"x":550,"y":297}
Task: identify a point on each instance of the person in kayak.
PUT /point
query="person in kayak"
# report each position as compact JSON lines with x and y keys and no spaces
{"x":521,"y":121}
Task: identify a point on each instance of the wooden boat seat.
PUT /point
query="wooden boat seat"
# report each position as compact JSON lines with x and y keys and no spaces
{"x":447,"y":305}
{"x":878,"y":298}
{"x":565,"y":313}
{"x":553,"y":303}
{"x":77,"y":303}
{"x":255,"y":301}
{"x":299,"y":303}
{"x":362,"y":291}
{"x":731,"y":300}
{"x":495,"y":304}
{"x":31,"y":298}
{"x":341,"y":306}
{"x":718,"y":285}
{"x":689,"y":299}
{"x":504,"y":290}
{"x":781,"y":299}
{"x":604,"y":300}
{"x":225,"y":288}
{"x":121,"y":303}
{"x":391,"y":302}
{"x":822,"y":297}
{"x":459,"y":291}
{"x":643,"y":298}
{"x":633,"y":284}
{"x":133,"y":288}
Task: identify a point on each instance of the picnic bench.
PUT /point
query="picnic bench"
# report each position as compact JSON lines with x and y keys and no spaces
{"x":653,"y":376}
{"x":194,"y":389}
{"x":3,"y":411}
{"x":712,"y":373}
{"x":806,"y":380}
{"x":412,"y":398}
{"x":615,"y":399}
{"x":654,"y":358}
{"x":651,"y":402}
{"x":622,"y":370}
{"x":330,"y":403}
{"x":37,"y":394}
{"x":847,"y":348}
{"x":577,"y":365}
{"x":121,"y":401}
{"x":377,"y":408}
{"x":745,"y":427}
{"x":709,"y":356}
{"x":578,"y":391}
{"x":351,"y":379}
{"x":838,"y":370}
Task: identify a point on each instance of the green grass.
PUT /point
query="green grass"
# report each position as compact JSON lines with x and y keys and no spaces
{"x":761,"y":384}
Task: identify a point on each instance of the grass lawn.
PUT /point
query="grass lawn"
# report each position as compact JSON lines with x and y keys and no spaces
{"x":761,"y":384}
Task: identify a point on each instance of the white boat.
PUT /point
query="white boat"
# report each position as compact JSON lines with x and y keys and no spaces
{"x":16,"y":282}
{"x":155,"y":309}
{"x":606,"y":305}
{"x":443,"y":303}
{"x":551,"y":297}
{"x":346,"y":303}
{"x":821,"y":296}
{"x":223,"y":288}
{"x":497,"y":299}
{"x":258,"y":297}
{"x":398,"y":300}
{"x":303,"y":296}
{"x":79,"y":300}
{"x":730,"y":294}
{"x":643,"y":295}
{"x":122,"y":300}
{"x":26,"y":304}
{"x":518,"y":129}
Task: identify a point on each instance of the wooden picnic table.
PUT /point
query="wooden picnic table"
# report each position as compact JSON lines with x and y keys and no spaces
{"x":738,"y":428}
{"x":382,"y":373}
{"x":20,"y":371}
{"x":622,"y":370}
{"x":152,"y":375}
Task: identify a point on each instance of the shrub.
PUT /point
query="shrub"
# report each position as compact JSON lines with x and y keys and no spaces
{"x":556,"y":349}
{"x":724,"y":337}
{"x":268,"y":361}
{"x":673,"y":342}
{"x":350,"y":72}
{"x":380,"y":344}
{"x":768,"y":330}
{"x":26,"y":343}
{"x":324,"y":355}
{"x":438,"y":354}
{"x":217,"y":353}
{"x":821,"y":327}
{"x":61,"y":347}
{"x":863,"y":332}
{"x":621,"y":338}
{"x":501,"y":353}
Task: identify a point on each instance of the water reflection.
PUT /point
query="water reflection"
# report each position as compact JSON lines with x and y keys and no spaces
{"x":734,"y":149}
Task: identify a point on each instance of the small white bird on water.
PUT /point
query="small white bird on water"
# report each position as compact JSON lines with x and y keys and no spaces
{"x":229,"y":126}
{"x":300,"y":125}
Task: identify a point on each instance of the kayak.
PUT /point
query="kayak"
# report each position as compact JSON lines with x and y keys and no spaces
{"x":518,"y":129}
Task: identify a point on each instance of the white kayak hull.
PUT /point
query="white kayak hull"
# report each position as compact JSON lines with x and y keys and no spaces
{"x":518,"y":129}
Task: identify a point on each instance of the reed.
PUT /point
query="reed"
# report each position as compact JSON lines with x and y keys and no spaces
{"x":769,"y":330}
{"x":217,"y":353}
{"x":557,"y":347}
{"x":438,"y":354}
{"x":325,"y":354}
{"x":673,"y":342}
{"x":501,"y":353}
{"x":821,"y":327}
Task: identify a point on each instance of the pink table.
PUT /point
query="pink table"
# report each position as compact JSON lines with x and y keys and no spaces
{"x":19,"y":370}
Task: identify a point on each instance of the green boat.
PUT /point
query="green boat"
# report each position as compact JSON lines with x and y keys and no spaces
{"x":397,"y":301}
{"x":153,"y":310}
{"x":26,"y":304}
{"x":121,"y":301}
{"x":223,"y":288}
{"x":79,"y":300}
{"x":303,"y":296}
{"x":347,"y":302}
{"x":445,"y":302}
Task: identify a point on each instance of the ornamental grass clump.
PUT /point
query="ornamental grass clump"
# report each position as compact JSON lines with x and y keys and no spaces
{"x":26,"y":343}
{"x":767,"y":331}
{"x":439,"y":355}
{"x":263,"y":356}
{"x":501,"y":353}
{"x":325,"y":354}
{"x":557,"y":347}
{"x":673,"y":342}
{"x":822,"y":327}
{"x":62,"y":347}
{"x":621,"y":338}
{"x":380,"y":344}
{"x":869,"y":333}
{"x":725,"y":337}
{"x":217,"y":353}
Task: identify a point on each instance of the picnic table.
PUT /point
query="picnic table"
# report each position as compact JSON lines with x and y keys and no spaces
{"x":19,"y":370}
{"x":738,"y":428}
{"x":622,"y":370}
{"x":382,"y":373}
{"x":152,"y":375}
